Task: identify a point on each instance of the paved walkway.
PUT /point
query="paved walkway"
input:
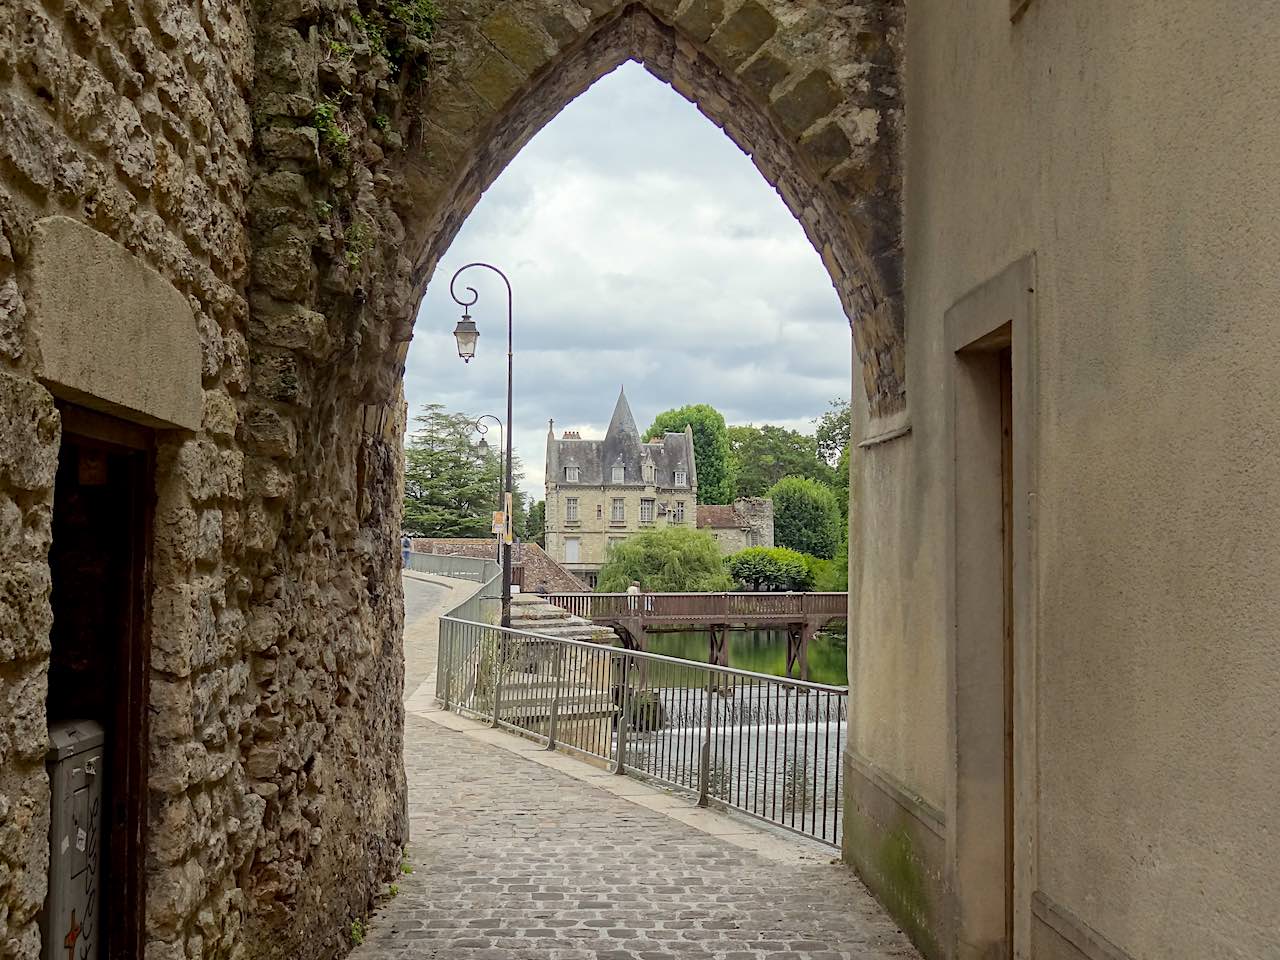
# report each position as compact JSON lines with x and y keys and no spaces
{"x":514,"y":856}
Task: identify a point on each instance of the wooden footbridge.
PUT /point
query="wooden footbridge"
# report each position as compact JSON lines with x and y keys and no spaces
{"x":634,"y":616}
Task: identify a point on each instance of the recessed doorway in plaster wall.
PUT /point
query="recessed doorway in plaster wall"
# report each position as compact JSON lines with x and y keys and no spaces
{"x":990,"y":809}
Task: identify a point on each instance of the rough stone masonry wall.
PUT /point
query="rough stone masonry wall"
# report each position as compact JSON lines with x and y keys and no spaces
{"x":276,"y":792}
{"x":296,"y":169}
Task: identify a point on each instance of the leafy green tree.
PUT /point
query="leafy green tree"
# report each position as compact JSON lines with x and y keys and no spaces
{"x":771,"y":568}
{"x":806,"y":516}
{"x":833,"y":431}
{"x":535,"y":524}
{"x":450,"y":486}
{"x":673,"y":560}
{"x":761,"y":456}
{"x":831,"y":576}
{"x":710,"y":447}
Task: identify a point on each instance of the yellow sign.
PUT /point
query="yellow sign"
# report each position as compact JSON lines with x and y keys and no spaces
{"x":499,"y":522}
{"x":507,"y":531}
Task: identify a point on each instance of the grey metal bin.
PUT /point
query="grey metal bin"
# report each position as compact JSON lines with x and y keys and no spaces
{"x":76,"y":767}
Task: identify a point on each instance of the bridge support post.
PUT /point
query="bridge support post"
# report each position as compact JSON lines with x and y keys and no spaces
{"x":798,"y":637}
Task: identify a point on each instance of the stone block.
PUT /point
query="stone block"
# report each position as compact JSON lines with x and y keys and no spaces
{"x":220,"y":415}
{"x":30,"y":431}
{"x":813,"y":98}
{"x":282,"y":263}
{"x":496,"y":79}
{"x":825,"y":147}
{"x":524,"y":44}
{"x":698,"y":18}
{"x":764,"y":72}
{"x":743,"y":33}
{"x":271,"y":434}
{"x":276,"y":375}
{"x":132,"y":348}
{"x":13,"y":315}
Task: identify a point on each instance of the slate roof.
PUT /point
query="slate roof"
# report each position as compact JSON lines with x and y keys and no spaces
{"x":595,"y":459}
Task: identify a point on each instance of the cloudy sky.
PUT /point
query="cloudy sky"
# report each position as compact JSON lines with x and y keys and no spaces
{"x":645,"y":250}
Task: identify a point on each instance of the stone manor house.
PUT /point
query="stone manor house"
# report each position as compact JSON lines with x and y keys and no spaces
{"x":599,"y":492}
{"x":1053,"y":226}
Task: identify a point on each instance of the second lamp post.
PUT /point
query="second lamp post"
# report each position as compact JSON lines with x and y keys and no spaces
{"x":466,"y":334}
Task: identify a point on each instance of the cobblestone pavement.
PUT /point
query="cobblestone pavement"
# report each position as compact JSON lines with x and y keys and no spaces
{"x":511,"y":859}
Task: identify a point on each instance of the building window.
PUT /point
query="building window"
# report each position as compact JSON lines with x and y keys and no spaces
{"x":753,"y":538}
{"x":619,"y":474}
{"x":648,"y":473}
{"x":571,"y":474}
{"x":599,"y":511}
{"x":678,"y":513}
{"x":619,"y":512}
{"x":646,"y":511}
{"x":682,"y":479}
{"x":572,"y":550}
{"x":571,"y":509}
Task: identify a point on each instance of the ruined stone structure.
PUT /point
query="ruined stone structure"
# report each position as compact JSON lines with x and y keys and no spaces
{"x":747,"y":522}
{"x":215,"y":225}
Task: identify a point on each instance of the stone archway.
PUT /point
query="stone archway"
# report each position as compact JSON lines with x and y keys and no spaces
{"x":805,"y":95}
{"x":372,"y":149}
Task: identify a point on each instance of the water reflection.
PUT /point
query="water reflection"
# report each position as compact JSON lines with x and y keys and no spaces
{"x":763,"y":651}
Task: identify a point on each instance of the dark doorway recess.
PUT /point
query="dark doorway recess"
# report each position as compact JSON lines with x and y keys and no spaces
{"x":100,"y":657}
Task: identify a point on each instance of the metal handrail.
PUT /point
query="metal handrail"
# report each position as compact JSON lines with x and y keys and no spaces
{"x":646,"y":655}
{"x":760,"y":744}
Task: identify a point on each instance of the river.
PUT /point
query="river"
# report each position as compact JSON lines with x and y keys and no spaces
{"x":762,"y":651}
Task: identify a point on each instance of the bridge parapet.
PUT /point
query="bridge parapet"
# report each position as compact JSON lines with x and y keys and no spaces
{"x":727,"y":608}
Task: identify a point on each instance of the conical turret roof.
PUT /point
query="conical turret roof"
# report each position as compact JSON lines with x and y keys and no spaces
{"x":622,"y":423}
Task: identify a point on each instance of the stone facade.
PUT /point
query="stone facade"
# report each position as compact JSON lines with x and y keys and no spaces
{"x":599,"y":492}
{"x":747,"y":522}
{"x":276,"y":184}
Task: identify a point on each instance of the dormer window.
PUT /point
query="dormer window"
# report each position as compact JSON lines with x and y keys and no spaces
{"x":682,"y":479}
{"x":648,"y":473}
{"x":570,"y":474}
{"x":619,"y":474}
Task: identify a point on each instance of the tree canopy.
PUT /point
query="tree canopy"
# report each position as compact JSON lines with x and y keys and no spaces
{"x":710,"y":447}
{"x":761,"y":456}
{"x":806,"y":516}
{"x":535,"y":524}
{"x":672,"y":560}
{"x":450,"y":486}
{"x":771,"y":568}
{"x":833,"y":431}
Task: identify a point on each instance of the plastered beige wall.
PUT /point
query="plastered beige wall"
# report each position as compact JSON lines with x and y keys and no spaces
{"x":1133,"y":148}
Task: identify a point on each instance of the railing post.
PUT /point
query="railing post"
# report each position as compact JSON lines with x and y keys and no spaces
{"x":704,"y":754}
{"x":555,"y":698}
{"x":624,"y":717}
{"x":498,"y":662}
{"x":445,"y":654}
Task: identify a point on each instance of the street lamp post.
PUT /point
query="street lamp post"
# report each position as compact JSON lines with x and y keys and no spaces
{"x":466,"y":334}
{"x":481,"y":428}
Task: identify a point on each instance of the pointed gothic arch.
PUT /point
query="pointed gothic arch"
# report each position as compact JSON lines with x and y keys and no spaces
{"x":809,"y":93}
